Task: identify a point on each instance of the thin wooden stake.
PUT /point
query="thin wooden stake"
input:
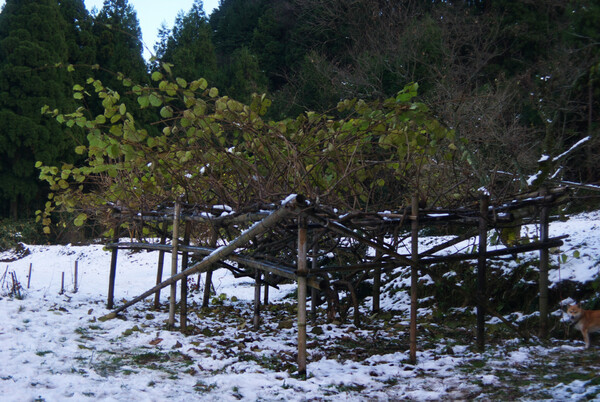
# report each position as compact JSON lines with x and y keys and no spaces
{"x":302,"y":274}
{"x":414,"y":278}
{"x":113,"y":270}
{"x":76,"y":275}
{"x":314,"y":293}
{"x":29,"y":276}
{"x":256,"y":321}
{"x":377,"y":283}
{"x":184,"y":285}
{"x":62,"y":284}
{"x":208,"y":277}
{"x":481,"y":271}
{"x":161,"y":261}
{"x":544,"y":262}
{"x":266,"y":290}
{"x":174,"y":255}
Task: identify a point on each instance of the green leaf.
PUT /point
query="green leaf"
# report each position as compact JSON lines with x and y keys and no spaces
{"x":155,"y":100}
{"x":213,"y":93}
{"x":144,"y":101}
{"x":157,"y":76}
{"x":166,"y":112}
{"x":181,"y":82}
{"x":80,"y":220}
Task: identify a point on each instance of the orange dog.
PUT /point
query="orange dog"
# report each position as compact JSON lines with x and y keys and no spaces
{"x":584,"y":320}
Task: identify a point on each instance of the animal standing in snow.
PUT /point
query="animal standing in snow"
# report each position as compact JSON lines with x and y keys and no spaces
{"x":584,"y":320}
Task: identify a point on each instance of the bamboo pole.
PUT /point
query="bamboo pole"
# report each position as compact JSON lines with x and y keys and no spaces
{"x":302,"y":273}
{"x":174,"y":255}
{"x":544,"y":262}
{"x":481,"y":271}
{"x":161,"y":262}
{"x":414,"y":278}
{"x":256,"y":319}
{"x":221,"y":252}
{"x":184,"y":285}
{"x":113,"y":270}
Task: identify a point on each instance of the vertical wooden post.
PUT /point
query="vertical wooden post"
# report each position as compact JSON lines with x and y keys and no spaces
{"x":29,"y":276}
{"x":544,"y":262}
{"x":161,"y":261}
{"x":314,"y":293}
{"x":62,"y":284}
{"x":208,"y":277}
{"x":302,"y":280}
{"x":414,"y":277}
{"x":266,"y":291}
{"x":174,"y":255}
{"x":75,"y":278}
{"x":377,"y":284}
{"x":481,"y":271}
{"x":256,"y":320}
{"x":184,"y":285}
{"x":113,"y":269}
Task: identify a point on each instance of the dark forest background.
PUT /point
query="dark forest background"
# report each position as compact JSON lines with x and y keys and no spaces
{"x":517,"y":79}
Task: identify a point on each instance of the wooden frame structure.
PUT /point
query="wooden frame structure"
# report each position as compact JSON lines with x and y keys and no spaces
{"x":276,"y":247}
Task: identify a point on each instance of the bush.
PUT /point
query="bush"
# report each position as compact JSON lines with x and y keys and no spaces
{"x":25,"y":231}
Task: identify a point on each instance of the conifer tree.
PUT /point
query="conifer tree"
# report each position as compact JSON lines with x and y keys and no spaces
{"x":32,"y":44}
{"x":119,"y":42}
{"x":189,"y":45}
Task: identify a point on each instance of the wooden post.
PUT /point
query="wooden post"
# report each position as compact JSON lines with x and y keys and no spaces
{"x":414,"y":277}
{"x":75,"y":279}
{"x":481,"y":271}
{"x":377,"y":284}
{"x":161,"y":261}
{"x":29,"y":276}
{"x":174,"y":255}
{"x":62,"y":284}
{"x":314,"y":293}
{"x":208,"y":277}
{"x":302,"y":279}
{"x":113,"y":269}
{"x":544,"y":262}
{"x":256,"y":320}
{"x":184,"y":287}
{"x":266,"y":291}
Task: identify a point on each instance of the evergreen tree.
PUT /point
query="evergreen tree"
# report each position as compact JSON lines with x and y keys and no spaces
{"x":189,"y":45}
{"x":119,"y":42}
{"x":81,"y":43}
{"x":32,"y":43}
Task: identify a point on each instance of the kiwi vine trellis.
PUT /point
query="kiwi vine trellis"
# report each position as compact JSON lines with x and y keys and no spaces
{"x":273,"y":243}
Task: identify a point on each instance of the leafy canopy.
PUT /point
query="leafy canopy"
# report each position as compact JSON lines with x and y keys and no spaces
{"x":213,"y":149}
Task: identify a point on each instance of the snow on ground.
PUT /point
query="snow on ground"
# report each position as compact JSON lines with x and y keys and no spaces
{"x":53,"y":346}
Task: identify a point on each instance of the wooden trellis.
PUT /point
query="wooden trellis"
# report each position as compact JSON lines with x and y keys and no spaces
{"x":279,"y":240}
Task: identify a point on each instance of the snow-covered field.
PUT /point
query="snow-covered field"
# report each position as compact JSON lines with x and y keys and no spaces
{"x":54,"y":348}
